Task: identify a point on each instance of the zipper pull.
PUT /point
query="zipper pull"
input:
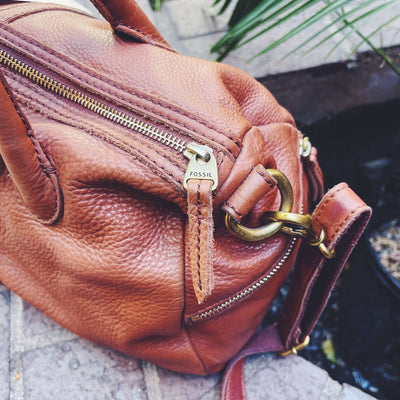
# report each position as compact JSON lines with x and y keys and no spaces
{"x":201,"y":179}
{"x":202,"y":164}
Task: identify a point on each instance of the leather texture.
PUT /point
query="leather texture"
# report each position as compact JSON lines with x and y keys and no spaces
{"x":94,"y":225}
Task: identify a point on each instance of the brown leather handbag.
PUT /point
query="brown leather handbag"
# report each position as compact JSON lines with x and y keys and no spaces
{"x":156,"y":203}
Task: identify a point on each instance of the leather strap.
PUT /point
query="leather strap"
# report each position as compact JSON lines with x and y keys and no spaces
{"x":343,"y":216}
{"x":126,"y":17}
{"x":31,"y":171}
{"x":233,"y":385}
{"x":201,"y":226}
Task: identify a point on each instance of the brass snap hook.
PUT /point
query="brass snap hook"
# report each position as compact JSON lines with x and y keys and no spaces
{"x":264,"y":232}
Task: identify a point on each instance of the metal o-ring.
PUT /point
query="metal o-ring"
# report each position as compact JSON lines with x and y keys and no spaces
{"x":265,"y":231}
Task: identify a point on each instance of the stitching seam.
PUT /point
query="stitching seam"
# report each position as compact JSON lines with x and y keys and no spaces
{"x":267,"y":181}
{"x":198,"y":210}
{"x":23,"y":14}
{"x":142,"y":96}
{"x":112,"y":142}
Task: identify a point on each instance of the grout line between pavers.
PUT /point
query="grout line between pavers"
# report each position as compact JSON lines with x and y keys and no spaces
{"x":152,"y":381}
{"x":16,"y":348}
{"x":212,"y":394}
{"x":48,"y":338}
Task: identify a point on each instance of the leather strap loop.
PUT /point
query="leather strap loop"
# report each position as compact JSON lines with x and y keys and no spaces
{"x":126,"y":17}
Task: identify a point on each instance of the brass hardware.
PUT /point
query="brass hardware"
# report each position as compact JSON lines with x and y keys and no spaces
{"x":301,"y":226}
{"x":296,"y":349}
{"x":202,"y":164}
{"x":204,"y":152}
{"x":305,"y":147}
{"x":263,"y":232}
{"x":294,"y":224}
{"x":319,"y":242}
{"x":326,"y":252}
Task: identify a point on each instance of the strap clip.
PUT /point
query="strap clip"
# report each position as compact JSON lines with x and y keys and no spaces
{"x":301,"y":226}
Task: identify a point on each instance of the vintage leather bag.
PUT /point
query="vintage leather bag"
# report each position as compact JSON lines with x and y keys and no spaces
{"x":153,"y":202}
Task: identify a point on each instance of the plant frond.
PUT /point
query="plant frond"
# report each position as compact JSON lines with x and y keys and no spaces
{"x":259,"y":17}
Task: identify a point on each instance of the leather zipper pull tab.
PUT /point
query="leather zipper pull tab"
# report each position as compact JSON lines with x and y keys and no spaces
{"x":201,"y":179}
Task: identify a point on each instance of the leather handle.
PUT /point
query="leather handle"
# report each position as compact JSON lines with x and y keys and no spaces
{"x":126,"y":17}
{"x":30,"y":169}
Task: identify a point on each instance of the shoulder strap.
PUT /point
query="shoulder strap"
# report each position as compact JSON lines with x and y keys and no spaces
{"x":343,"y":216}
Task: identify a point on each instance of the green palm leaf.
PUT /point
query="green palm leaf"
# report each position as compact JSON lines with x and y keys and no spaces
{"x":251,"y":19}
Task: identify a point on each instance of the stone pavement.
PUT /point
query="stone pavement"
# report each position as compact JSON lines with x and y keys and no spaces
{"x":39,"y":360}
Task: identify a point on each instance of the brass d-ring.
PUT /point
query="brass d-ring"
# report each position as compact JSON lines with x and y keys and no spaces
{"x":265,"y":231}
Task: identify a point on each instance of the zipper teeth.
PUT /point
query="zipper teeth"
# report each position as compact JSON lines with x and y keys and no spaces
{"x":246,"y":292}
{"x":91,"y":104}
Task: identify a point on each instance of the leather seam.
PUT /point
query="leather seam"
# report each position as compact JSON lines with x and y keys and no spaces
{"x":144,"y":37}
{"x":198,"y":210}
{"x":344,"y":223}
{"x":142,"y":96}
{"x":328,"y":200}
{"x":194,"y":349}
{"x":233,"y":208}
{"x":95,"y":127}
{"x":92,"y":133}
{"x":265,"y":179}
{"x":24,"y":14}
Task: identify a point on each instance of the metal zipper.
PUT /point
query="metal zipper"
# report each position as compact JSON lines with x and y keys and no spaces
{"x":200,"y":157}
{"x":246,"y":292}
{"x":91,"y":104}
